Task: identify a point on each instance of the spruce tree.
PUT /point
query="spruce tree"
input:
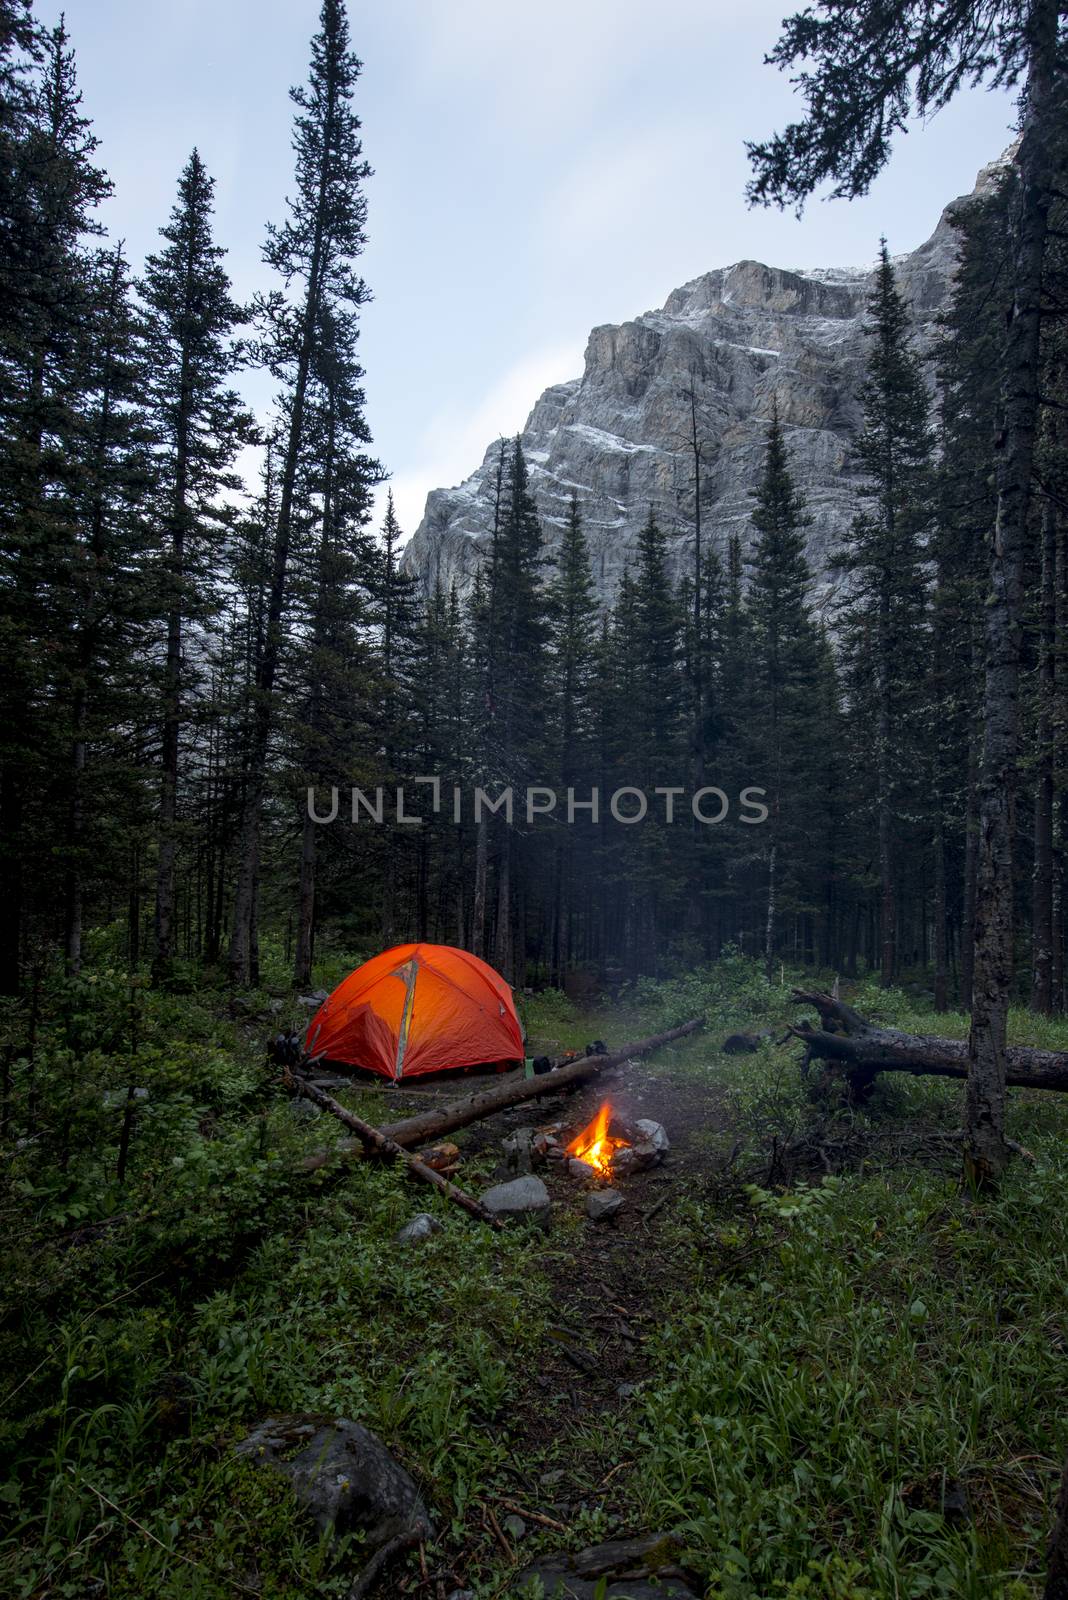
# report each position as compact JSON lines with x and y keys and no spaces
{"x":105,"y":607}
{"x":657,"y":743}
{"x":336,"y":581}
{"x":201,"y":425}
{"x":785,"y":687}
{"x":967,"y":375}
{"x":883,"y":613}
{"x":918,"y":54}
{"x":574,"y":641}
{"x":315,"y":249}
{"x":517,"y":620}
{"x":51,"y":188}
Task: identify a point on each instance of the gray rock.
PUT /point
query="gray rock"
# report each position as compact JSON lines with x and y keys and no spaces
{"x":615,"y":436}
{"x":581,"y":1169}
{"x":635,"y":1158}
{"x":655,"y":1134}
{"x":342,"y":1476}
{"x":422,"y":1226}
{"x":517,"y":1153}
{"x":603,"y":1203}
{"x":523,"y":1197}
{"x":313,"y":1001}
{"x":514,"y":1524}
{"x":622,"y":1569}
{"x":956,"y":1502}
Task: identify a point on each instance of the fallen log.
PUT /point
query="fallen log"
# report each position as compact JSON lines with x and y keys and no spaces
{"x":862,"y":1049}
{"x":377,"y":1140}
{"x":431,"y":1125}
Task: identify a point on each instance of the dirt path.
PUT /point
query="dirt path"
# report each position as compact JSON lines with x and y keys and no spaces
{"x":613,"y":1284}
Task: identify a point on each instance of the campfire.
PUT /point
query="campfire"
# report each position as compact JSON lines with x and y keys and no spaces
{"x":595,"y":1145}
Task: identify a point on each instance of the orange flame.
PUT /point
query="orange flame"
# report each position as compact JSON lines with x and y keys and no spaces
{"x":595,"y":1145}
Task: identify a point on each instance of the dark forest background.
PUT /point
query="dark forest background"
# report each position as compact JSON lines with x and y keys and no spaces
{"x":185,"y":654}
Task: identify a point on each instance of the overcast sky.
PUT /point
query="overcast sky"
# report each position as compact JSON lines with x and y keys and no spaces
{"x":539,"y":169}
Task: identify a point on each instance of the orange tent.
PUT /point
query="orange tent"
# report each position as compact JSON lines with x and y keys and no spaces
{"x":415,"y":1009}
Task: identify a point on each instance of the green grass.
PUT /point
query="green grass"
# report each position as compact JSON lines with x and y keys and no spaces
{"x":829,"y":1363}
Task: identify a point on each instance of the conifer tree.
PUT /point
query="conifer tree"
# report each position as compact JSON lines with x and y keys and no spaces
{"x":916,"y":54}
{"x":315,"y":249}
{"x":516,"y":680}
{"x":967,"y":374}
{"x":883,"y":616}
{"x":201,"y":424}
{"x":51,"y":189}
{"x":574,"y":641}
{"x":786,"y":660}
{"x":657,"y":740}
{"x":338,"y":576}
{"x":106,"y":604}
{"x":400,"y":623}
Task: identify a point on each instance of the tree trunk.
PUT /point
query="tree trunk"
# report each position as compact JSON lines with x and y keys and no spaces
{"x":502,"y":952}
{"x":986,"y":1152}
{"x":376,"y":1139}
{"x":1057,"y":1560}
{"x":478,"y":915}
{"x":74,"y":891}
{"x":941,"y":942}
{"x":971,"y":852}
{"x":242,"y":936}
{"x":172,"y":690}
{"x":1060,"y":746}
{"x":1042,"y":878}
{"x":431,"y":1125}
{"x":769,"y":918}
{"x":302,"y":959}
{"x":864,"y":1049}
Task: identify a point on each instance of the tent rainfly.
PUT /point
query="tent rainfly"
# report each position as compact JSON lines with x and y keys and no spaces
{"x":417,"y":1009}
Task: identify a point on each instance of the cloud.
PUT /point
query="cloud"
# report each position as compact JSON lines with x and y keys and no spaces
{"x":452,"y":445}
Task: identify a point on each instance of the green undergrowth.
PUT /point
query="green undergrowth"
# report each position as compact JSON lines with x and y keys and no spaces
{"x":855,"y":1388}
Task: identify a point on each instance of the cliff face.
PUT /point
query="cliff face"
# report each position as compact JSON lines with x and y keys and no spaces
{"x":617,"y":437}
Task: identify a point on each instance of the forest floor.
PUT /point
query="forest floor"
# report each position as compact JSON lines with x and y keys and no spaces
{"x":798,"y":1343}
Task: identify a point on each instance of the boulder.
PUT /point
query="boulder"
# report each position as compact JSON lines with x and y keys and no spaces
{"x":644,"y":1568}
{"x":523,"y":1197}
{"x":314,"y":1000}
{"x":581,"y":1169}
{"x":740,"y":1044}
{"x":422,"y":1226}
{"x":603,"y":1203}
{"x":342,"y":1476}
{"x":517,"y":1154}
{"x":654,"y":1133}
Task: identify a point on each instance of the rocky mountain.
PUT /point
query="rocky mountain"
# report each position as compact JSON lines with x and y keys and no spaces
{"x":742,"y":337}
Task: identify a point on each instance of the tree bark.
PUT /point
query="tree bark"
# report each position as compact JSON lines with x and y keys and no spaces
{"x":1057,"y":1560}
{"x":1042,"y":878}
{"x":864,"y":1049}
{"x":376,"y":1139}
{"x":431,"y":1125}
{"x":941,"y":940}
{"x":302,"y":959}
{"x":502,"y":944}
{"x":986,"y":1151}
{"x":172,"y":678}
{"x":478,"y":914}
{"x":241,"y":936}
